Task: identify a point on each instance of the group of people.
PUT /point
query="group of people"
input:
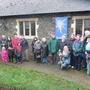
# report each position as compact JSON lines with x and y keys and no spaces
{"x":71,"y":52}
{"x":40,"y":50}
{"x":13,"y":49}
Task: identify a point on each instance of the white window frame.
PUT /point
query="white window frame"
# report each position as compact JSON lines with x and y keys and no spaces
{"x":74,"y":18}
{"x":23,"y":20}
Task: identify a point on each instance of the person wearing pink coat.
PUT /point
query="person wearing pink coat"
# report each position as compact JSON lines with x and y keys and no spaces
{"x":4,"y":55}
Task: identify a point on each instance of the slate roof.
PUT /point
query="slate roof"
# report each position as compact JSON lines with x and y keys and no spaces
{"x":28,"y":7}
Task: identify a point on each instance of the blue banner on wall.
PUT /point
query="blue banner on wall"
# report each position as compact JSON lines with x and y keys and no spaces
{"x":61,"y":26}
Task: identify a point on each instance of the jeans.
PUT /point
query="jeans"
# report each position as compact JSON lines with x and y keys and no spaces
{"x":88,"y":67}
{"x":25,"y":55}
{"x":72,"y":60}
{"x":18,"y":57}
{"x":45,"y":59}
{"x":84,"y":63}
{"x":78,"y":62}
{"x":54,"y":57}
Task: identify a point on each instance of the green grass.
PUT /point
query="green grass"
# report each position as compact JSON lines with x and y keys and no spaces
{"x":32,"y":80}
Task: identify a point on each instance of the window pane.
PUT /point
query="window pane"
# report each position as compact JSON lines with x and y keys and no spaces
{"x":21,"y":28}
{"x":79,"y":26}
{"x":87,"y":24}
{"x":27,"y":28}
{"x":33,"y":28}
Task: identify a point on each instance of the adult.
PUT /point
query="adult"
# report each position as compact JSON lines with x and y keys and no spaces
{"x":72,"y":60}
{"x":44,"y":51}
{"x":4,"y":41}
{"x":87,"y":52}
{"x":37,"y":50}
{"x":63,"y":42}
{"x":32,"y":45}
{"x":10,"y":50}
{"x":25,"y":47}
{"x":86,"y":34}
{"x":77,"y":50}
{"x":15,"y":41}
{"x":53,"y":48}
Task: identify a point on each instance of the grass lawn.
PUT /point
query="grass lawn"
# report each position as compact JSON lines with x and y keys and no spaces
{"x":32,"y":80}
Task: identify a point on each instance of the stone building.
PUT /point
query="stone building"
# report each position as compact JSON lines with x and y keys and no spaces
{"x":30,"y":18}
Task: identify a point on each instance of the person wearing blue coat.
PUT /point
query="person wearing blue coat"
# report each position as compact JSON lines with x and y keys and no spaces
{"x":87,"y":52}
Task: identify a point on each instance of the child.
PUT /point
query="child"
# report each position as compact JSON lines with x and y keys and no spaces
{"x":18,"y":53}
{"x":4,"y":55}
{"x":65,"y":61}
{"x":87,"y":48}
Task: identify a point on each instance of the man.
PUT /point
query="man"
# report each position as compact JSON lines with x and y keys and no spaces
{"x":53,"y":48}
{"x":77,"y":50}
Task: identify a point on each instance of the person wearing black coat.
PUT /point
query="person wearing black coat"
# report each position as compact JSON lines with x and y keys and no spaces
{"x":72,"y":60}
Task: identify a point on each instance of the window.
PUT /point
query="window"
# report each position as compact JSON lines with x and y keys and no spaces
{"x":21,"y":28}
{"x":32,"y":28}
{"x":87,"y":24}
{"x":79,"y":26}
{"x":81,"y":23}
{"x":27,"y":28}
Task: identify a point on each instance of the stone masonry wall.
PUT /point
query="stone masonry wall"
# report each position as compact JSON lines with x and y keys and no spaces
{"x":8,"y":26}
{"x":46,"y":26}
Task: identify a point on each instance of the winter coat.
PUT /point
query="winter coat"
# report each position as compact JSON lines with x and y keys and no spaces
{"x":4,"y":55}
{"x":4,"y":43}
{"x":37,"y":46}
{"x":24,"y":44}
{"x":77,"y":47}
{"x":84,"y":44}
{"x":53,"y":45}
{"x":62,"y":44}
{"x":87,"y":49}
{"x":15,"y":41}
{"x":18,"y":51}
{"x":71,"y":41}
{"x":44,"y":49}
{"x":32,"y":44}
{"x":66,"y":57}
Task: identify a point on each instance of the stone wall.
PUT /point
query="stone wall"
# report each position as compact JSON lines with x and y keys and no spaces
{"x":8,"y":26}
{"x":46,"y":24}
